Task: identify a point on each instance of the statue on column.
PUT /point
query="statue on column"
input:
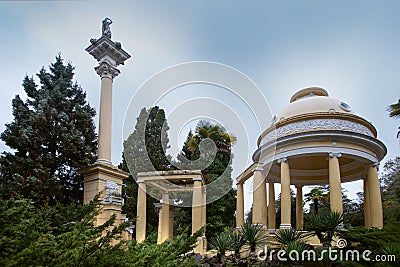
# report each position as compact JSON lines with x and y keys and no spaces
{"x":106,"y":27}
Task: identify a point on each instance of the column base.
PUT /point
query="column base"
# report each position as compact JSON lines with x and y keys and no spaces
{"x":285,"y":226}
{"x":106,"y":161}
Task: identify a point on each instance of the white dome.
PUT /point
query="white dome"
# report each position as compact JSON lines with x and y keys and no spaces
{"x":313,"y":100}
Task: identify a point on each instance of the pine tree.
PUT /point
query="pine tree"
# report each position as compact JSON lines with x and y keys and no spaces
{"x":52,"y":135}
{"x":143,"y":151}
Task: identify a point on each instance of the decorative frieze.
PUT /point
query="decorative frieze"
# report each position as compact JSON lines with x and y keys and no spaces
{"x":317,"y":124}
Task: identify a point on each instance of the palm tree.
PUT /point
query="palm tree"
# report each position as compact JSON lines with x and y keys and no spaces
{"x":324,"y":224}
{"x":316,"y":196}
{"x":394,"y":110}
{"x":254,"y":235}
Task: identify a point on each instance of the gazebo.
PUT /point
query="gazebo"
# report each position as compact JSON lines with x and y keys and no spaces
{"x":315,"y":140}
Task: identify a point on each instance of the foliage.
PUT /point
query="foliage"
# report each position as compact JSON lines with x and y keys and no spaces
{"x":51,"y":136}
{"x":285,"y":237}
{"x":220,"y":212}
{"x":236,"y":242}
{"x":254,"y":235}
{"x":390,"y":184}
{"x":394,"y":110}
{"x":324,"y":224}
{"x":144,"y":150}
{"x":318,"y":196}
{"x":55,"y":235}
{"x":170,"y":253}
{"x":221,"y":243}
{"x":373,"y":239}
{"x":65,"y":235}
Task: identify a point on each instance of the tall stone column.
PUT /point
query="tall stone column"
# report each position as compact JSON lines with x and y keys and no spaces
{"x":204,"y":207}
{"x":335,"y":183}
{"x":239,"y":205}
{"x":271,"y":206}
{"x":285,"y":194}
{"x":110,"y":55}
{"x":375,"y":195}
{"x":165,"y":219}
{"x":299,"y":208}
{"x":367,"y":206}
{"x":102,"y":177}
{"x":198,"y":210}
{"x":141,"y":212}
{"x":107,"y":73}
{"x":171,"y":222}
{"x":259,"y":215}
{"x":197,"y":205}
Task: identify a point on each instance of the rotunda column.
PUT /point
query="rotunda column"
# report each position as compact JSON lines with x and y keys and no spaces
{"x":299,"y":208}
{"x":165,"y":220}
{"x":141,"y":212}
{"x":259,"y":215}
{"x":285,"y":194}
{"x":239,"y":205}
{"x":376,"y":212}
{"x":335,"y":183}
{"x":271,"y":206}
{"x":367,"y":207}
{"x":197,"y":205}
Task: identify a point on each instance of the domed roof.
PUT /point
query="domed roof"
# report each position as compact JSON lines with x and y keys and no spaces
{"x":313,"y":100}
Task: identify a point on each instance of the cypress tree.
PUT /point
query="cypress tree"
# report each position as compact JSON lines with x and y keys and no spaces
{"x":143,"y":151}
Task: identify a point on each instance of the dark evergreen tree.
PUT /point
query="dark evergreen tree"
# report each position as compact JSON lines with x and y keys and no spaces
{"x":143,"y":151}
{"x":390,"y":186}
{"x":51,"y":136}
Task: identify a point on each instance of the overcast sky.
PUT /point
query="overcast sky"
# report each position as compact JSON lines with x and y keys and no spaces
{"x":350,"y":48}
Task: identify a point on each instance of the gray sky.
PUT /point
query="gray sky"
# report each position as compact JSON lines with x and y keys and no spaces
{"x":350,"y":48}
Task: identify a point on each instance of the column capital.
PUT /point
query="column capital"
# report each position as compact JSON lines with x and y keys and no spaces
{"x":375,"y":164}
{"x":140,"y":181}
{"x":284,"y":159}
{"x":106,"y":70}
{"x":260,"y":169}
{"x":335,"y":155}
{"x":197,"y":179}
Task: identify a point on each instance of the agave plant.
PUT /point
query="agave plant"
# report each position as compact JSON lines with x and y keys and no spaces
{"x":221,"y":243}
{"x":325,"y":225}
{"x":286,"y":237}
{"x":236,"y":242}
{"x":254,"y":235}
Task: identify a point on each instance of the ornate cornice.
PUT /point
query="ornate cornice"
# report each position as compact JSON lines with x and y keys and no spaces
{"x":301,"y":123}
